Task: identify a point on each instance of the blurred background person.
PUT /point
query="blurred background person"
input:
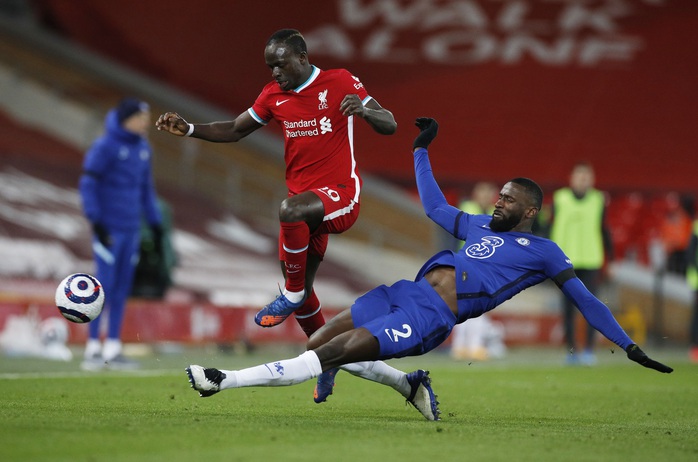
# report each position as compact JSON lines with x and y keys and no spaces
{"x":117,"y":192}
{"x":480,"y":338}
{"x":481,"y":200}
{"x":578,"y":226}
{"x":675,"y":231}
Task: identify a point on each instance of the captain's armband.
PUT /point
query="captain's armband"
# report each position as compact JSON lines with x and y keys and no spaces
{"x":564,"y":276}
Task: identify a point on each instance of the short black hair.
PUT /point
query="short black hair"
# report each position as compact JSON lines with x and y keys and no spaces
{"x":291,"y":37}
{"x":535,"y":193}
{"x":583,"y":164}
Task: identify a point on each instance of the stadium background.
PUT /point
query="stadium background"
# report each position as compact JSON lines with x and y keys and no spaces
{"x":520,"y":88}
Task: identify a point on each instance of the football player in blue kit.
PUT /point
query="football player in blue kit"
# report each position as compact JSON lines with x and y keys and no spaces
{"x":500,"y":259}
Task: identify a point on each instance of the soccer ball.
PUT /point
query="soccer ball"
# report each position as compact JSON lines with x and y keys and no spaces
{"x":80,"y":298}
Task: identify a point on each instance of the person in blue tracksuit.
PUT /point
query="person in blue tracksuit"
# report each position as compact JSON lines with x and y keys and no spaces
{"x":501,"y":257}
{"x":117,"y":192}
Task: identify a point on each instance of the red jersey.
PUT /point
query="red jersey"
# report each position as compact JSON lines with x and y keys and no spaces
{"x":319,"y":140}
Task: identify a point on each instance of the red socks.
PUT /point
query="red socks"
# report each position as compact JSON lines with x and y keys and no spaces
{"x":309,"y":316}
{"x":295,"y":238}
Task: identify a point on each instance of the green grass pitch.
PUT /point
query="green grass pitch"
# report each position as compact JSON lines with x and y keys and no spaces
{"x":526,"y":407}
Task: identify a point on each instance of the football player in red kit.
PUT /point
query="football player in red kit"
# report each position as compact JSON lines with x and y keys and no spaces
{"x":316,"y":110}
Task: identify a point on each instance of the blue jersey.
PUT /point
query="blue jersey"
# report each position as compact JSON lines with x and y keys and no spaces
{"x":116,"y":187}
{"x":494,"y":266}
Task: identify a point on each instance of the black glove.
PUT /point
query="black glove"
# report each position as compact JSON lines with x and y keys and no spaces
{"x":639,"y":356}
{"x":428,"y":130}
{"x":102,"y":234}
{"x":157,"y":237}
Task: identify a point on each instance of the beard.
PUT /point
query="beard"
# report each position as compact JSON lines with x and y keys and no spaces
{"x":502,"y":224}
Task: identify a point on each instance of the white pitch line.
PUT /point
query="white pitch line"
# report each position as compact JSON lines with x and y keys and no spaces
{"x":97,"y":374}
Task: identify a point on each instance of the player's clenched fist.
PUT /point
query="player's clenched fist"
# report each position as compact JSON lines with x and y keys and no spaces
{"x":352,"y":105}
{"x":173,"y":123}
{"x":428,"y":128}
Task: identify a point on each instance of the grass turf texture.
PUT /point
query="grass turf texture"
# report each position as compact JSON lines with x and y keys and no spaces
{"x":528,"y":407}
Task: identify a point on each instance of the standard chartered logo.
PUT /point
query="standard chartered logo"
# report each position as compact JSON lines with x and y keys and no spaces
{"x":309,"y":127}
{"x":325,"y":125}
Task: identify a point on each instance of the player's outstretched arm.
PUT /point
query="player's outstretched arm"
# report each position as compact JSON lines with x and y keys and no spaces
{"x":217,"y":132}
{"x":379,"y":118}
{"x":636,"y":354}
{"x":433,"y":200}
{"x":600,"y":318}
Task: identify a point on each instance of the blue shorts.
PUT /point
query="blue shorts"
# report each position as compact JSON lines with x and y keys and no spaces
{"x":408,"y":318}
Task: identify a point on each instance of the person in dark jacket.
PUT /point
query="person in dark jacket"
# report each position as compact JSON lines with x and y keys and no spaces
{"x":117,"y":192}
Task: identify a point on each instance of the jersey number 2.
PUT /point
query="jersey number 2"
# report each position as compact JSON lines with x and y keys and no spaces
{"x":396,"y":334}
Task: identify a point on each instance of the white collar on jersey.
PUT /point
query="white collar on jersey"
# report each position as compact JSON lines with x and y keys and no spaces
{"x":310,"y":80}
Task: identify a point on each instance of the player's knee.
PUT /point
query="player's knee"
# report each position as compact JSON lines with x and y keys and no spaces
{"x":290,"y":212}
{"x":305,"y":207}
